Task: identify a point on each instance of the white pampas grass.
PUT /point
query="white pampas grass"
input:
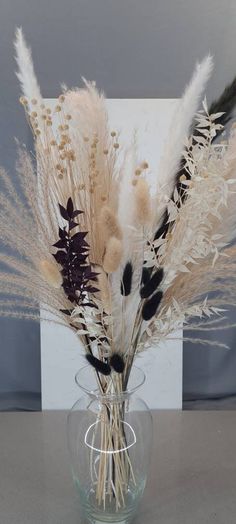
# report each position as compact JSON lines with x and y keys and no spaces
{"x":50,"y":271}
{"x":26,"y":74}
{"x":179,"y":130}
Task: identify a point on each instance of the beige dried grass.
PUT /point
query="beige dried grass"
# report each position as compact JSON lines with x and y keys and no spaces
{"x":113,"y":255}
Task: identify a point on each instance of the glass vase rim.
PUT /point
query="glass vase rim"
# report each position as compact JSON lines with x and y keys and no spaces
{"x":95,"y":392}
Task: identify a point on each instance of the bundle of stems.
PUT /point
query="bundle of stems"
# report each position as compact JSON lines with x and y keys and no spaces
{"x":112,"y":465}
{"x":122,"y":264}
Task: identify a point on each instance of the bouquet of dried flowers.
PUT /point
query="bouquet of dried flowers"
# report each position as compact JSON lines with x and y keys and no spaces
{"x":122,"y":265}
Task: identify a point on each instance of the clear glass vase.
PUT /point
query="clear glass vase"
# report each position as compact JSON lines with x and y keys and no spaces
{"x":110,"y":440}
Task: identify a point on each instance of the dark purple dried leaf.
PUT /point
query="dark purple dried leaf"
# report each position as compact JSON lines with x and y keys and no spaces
{"x":91,"y":289}
{"x":61,"y":243}
{"x":93,"y":275}
{"x":62,"y":233}
{"x":60,"y":257}
{"x":72,"y":224}
{"x":80,"y":235}
{"x":76,"y":213}
{"x":70,"y":207}
{"x":63,"y":212}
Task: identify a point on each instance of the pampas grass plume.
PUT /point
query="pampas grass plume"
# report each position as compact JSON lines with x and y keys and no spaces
{"x":26,"y":74}
{"x":50,"y":273}
{"x":110,"y":224}
{"x":113,"y":255}
{"x":142,"y":202}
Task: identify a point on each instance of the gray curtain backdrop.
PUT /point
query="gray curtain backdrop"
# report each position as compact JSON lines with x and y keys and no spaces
{"x":132,"y":48}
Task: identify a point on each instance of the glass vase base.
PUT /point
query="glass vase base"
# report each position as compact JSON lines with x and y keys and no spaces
{"x":98,"y":514}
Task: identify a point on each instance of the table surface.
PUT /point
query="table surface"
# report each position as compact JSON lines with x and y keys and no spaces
{"x":192,"y":478}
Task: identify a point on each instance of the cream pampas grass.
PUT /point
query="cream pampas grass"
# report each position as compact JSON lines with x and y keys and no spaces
{"x":142,"y":202}
{"x":113,"y":255}
{"x":109,"y":223}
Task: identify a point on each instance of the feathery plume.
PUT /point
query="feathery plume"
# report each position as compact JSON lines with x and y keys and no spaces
{"x":142,"y":202}
{"x":117,"y":363}
{"x":99,"y":365}
{"x":152,"y":283}
{"x":179,"y":130}
{"x":113,"y":255}
{"x":25,"y":73}
{"x":109,"y":223}
{"x":225,"y":104}
{"x":126,"y":283}
{"x":150,"y":307}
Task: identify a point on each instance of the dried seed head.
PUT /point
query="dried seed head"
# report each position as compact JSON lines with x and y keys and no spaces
{"x":142,"y":202}
{"x":23,"y":101}
{"x":71,"y":155}
{"x":113,"y":255}
{"x":109,"y":223}
{"x":117,"y":362}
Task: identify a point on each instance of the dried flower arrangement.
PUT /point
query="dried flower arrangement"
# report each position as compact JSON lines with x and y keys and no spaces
{"x":121,"y":265}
